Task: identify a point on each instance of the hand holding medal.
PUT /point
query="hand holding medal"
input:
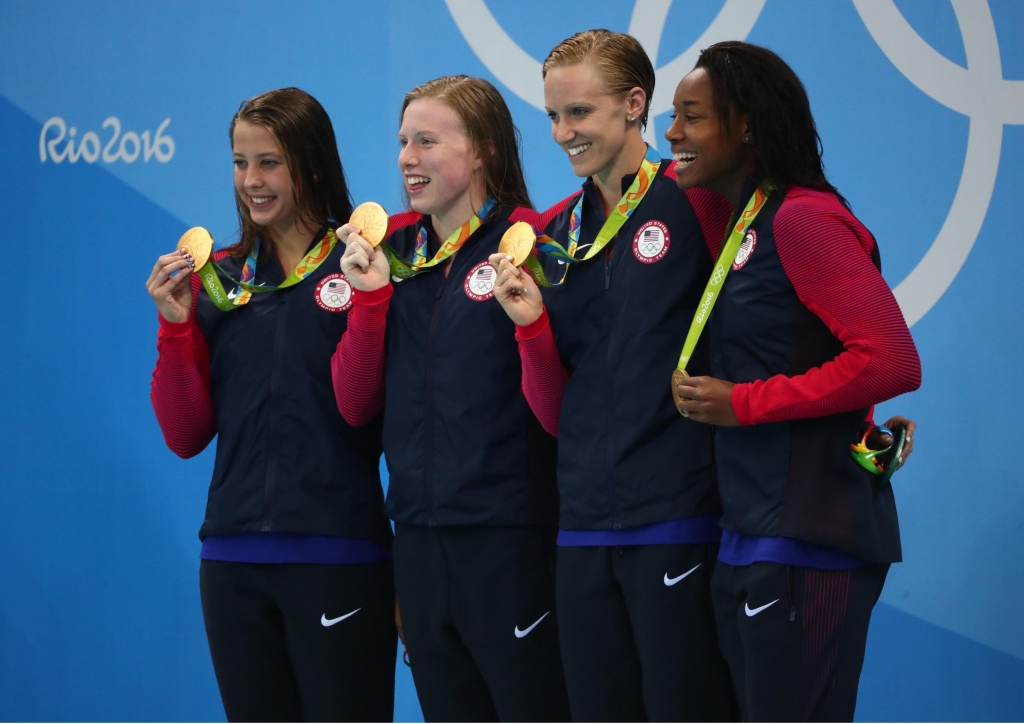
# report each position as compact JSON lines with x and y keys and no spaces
{"x":197,"y":244}
{"x":170,"y":281}
{"x":365,"y":265}
{"x":515,"y":290}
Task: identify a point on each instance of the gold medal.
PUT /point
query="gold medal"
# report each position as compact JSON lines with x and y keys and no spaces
{"x":518,"y":242}
{"x":199,"y":244}
{"x":678,"y":376}
{"x":372,"y":220}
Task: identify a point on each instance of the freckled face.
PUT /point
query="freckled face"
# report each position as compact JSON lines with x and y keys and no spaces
{"x":438,"y":161}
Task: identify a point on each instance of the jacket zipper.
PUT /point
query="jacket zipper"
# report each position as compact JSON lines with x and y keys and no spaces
{"x":616,"y":523}
{"x":429,"y":416}
{"x":275,"y":380}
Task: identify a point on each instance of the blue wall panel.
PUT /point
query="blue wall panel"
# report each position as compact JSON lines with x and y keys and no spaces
{"x":99,"y":605}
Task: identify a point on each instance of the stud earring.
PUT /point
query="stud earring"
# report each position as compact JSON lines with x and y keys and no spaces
{"x":631,"y":119}
{"x":747,"y":140}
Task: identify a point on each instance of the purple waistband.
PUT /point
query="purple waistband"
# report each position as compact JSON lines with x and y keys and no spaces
{"x":742,"y":550}
{"x":258,"y":547}
{"x":699,"y":529}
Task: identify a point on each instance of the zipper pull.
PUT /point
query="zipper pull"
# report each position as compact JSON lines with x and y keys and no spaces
{"x":607,"y":275}
{"x":792,"y":612}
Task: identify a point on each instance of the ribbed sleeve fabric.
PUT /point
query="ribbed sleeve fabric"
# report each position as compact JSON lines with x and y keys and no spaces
{"x":713,"y":212}
{"x":180,"y":390}
{"x":544,"y":376}
{"x":826,"y":253}
{"x":357,"y":367}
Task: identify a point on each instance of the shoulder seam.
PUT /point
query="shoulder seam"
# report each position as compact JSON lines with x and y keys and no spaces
{"x":397,"y":222}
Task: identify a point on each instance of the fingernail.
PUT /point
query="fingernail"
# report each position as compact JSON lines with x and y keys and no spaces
{"x":191,"y":266}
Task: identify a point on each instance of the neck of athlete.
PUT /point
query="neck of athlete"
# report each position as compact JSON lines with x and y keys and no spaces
{"x":608,"y":180}
{"x":291,"y":244}
{"x":446,"y":221}
{"x":731,"y":185}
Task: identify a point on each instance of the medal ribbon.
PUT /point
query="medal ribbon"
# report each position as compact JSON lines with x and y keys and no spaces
{"x":720,"y":271}
{"x":615,"y":221}
{"x":245,"y":288}
{"x":404,"y":269}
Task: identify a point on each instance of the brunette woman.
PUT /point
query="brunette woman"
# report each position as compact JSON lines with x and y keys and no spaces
{"x":295,"y":578}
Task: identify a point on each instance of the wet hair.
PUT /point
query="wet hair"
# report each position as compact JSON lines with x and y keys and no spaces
{"x":753,"y":81}
{"x":621,"y":60}
{"x":303,"y":128}
{"x":488,"y":123}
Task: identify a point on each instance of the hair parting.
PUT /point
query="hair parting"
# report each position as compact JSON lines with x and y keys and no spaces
{"x":621,"y":60}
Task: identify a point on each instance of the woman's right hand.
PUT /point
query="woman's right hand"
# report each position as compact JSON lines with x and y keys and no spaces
{"x":173,"y":295}
{"x":516,"y":291}
{"x":367,"y":268}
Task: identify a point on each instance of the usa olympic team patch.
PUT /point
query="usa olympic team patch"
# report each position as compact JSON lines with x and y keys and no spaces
{"x":745,"y":250}
{"x":651,"y":242}
{"x":334,"y":293}
{"x":479,"y":283}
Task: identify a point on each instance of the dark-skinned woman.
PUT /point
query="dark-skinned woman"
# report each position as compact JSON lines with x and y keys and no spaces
{"x":806,"y":338}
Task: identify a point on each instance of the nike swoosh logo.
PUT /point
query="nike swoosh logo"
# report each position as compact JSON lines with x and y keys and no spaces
{"x":677,"y":579}
{"x":754,"y":611}
{"x":520,"y":634}
{"x":324,"y":621}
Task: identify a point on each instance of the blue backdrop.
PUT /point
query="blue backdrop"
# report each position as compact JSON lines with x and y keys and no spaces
{"x":113,"y":140}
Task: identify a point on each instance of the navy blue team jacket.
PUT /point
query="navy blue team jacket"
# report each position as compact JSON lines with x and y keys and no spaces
{"x":793,"y":478}
{"x":286,"y":459}
{"x":461,"y":443}
{"x":626,"y":457}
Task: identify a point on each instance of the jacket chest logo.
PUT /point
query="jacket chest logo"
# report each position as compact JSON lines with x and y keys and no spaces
{"x":651,"y":242}
{"x":745,"y":250}
{"x":479,"y":284}
{"x":334,"y":293}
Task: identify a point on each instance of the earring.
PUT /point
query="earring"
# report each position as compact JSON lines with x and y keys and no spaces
{"x":747,"y":140}
{"x":632,"y":119}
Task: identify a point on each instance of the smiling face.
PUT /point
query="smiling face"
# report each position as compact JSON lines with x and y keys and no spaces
{"x":590,"y":124}
{"x":707,"y":154}
{"x":440,"y":166}
{"x":262,"y":178}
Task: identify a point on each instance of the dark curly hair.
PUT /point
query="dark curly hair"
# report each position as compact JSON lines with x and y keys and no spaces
{"x":750,"y":80}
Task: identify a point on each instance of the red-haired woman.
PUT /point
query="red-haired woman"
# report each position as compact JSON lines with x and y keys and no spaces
{"x":472,"y":488}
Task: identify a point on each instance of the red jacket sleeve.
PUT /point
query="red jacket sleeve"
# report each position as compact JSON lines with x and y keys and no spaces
{"x":544,"y":377}
{"x":180,"y":390}
{"x":826,"y":253}
{"x":357,"y":367}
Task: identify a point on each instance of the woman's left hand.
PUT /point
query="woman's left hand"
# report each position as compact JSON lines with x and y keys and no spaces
{"x":706,"y":399}
{"x":878,"y":441}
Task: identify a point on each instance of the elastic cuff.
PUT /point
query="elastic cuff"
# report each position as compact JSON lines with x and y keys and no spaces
{"x":534,"y":329}
{"x":175,"y":329}
{"x":740,"y":400}
{"x":372,"y":299}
